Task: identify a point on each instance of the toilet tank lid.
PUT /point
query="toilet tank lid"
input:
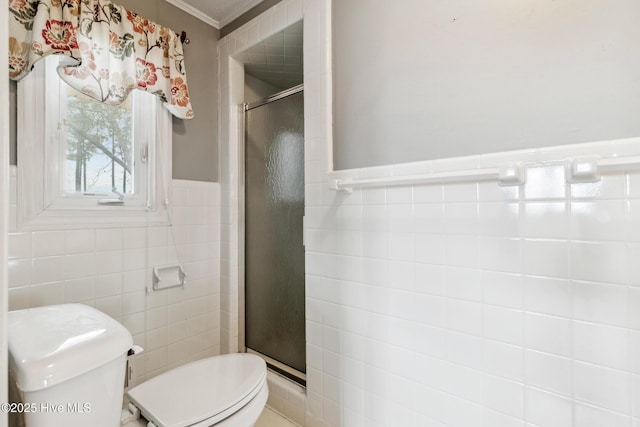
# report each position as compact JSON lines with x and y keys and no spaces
{"x":52,"y":344}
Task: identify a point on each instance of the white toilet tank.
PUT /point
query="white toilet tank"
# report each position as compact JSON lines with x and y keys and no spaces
{"x":68,"y":363}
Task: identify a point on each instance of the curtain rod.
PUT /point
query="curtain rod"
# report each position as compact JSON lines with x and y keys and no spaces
{"x":183,"y":38}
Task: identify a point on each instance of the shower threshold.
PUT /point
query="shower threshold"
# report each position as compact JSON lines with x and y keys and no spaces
{"x":282,"y":369}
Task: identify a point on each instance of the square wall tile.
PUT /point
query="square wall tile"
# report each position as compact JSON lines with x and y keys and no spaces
{"x":79,"y":241}
{"x":602,"y":387}
{"x":546,"y":295}
{"x":47,"y":243}
{"x":601,"y":345}
{"x":19,"y":245}
{"x":108,"y":239}
{"x":605,"y":262}
{"x":546,"y":258}
{"x":600,"y":303}
{"x":545,"y":183}
{"x":548,"y":409}
{"x":547,"y":334}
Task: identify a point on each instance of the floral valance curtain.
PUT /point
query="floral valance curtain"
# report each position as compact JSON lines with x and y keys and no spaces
{"x":112,"y":50}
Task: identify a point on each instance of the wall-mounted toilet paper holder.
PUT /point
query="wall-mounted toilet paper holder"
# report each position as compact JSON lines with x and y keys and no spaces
{"x":168,"y":276}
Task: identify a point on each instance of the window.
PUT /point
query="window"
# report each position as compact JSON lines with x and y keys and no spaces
{"x":84,"y":164}
{"x":98,"y":146}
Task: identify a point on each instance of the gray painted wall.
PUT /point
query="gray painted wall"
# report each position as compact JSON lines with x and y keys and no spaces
{"x":426,"y":79}
{"x":195,"y":141}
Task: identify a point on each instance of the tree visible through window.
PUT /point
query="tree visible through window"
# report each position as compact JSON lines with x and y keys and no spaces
{"x":99,"y":146}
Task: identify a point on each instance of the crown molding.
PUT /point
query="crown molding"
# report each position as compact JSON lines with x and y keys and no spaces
{"x":180,"y":4}
{"x":239,"y":12}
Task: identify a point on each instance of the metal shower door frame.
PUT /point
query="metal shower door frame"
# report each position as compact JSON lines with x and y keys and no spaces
{"x":243,"y":109}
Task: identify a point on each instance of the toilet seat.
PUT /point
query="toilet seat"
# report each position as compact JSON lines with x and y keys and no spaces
{"x":204,"y":392}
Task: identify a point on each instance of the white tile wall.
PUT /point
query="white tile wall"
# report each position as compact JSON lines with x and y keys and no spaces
{"x":231,"y":90}
{"x":110,"y":268}
{"x":284,"y":397}
{"x":467,"y":310}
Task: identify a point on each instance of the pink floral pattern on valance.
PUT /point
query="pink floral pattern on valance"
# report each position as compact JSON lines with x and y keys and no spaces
{"x":112,"y":50}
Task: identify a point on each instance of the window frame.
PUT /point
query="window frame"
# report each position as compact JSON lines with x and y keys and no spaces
{"x":41,"y":203}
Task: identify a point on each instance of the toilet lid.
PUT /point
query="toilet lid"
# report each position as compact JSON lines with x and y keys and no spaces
{"x":209,"y":389}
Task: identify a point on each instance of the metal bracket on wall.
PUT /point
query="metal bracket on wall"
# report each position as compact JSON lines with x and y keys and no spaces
{"x":590,"y":168}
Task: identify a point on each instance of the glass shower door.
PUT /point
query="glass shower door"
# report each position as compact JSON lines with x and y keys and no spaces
{"x":274,"y":251}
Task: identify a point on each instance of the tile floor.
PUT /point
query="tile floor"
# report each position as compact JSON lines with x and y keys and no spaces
{"x":270,"y":418}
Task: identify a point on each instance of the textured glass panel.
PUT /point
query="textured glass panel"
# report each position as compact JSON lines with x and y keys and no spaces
{"x":274,"y":254}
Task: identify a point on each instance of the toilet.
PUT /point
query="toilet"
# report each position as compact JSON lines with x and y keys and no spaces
{"x":67,"y":367}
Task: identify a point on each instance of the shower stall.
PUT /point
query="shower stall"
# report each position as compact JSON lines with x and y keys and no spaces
{"x":273,"y":239}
